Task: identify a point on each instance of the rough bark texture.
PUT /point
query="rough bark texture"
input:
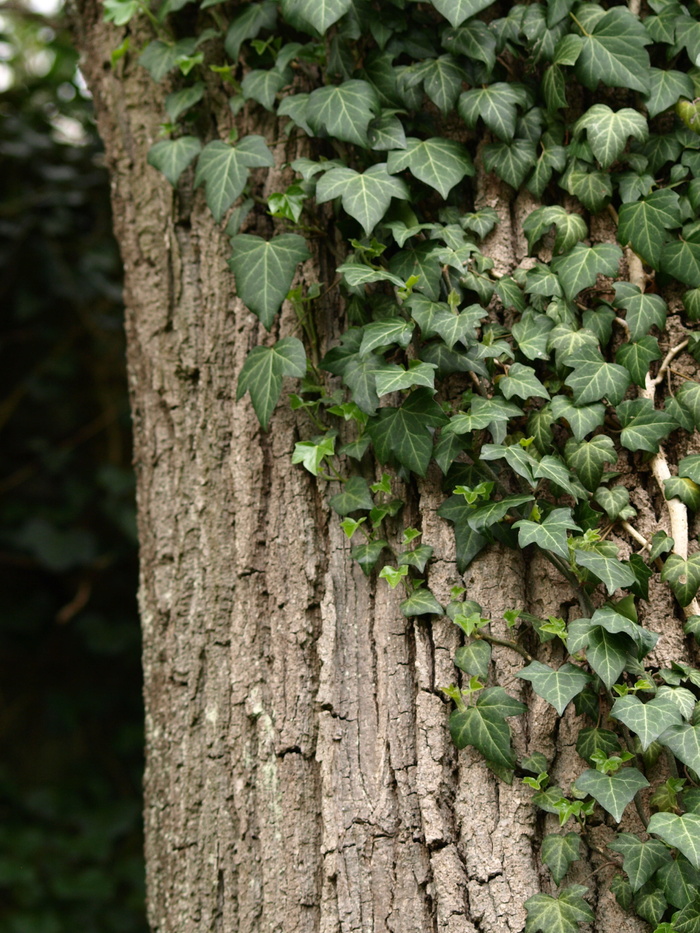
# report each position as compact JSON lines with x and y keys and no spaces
{"x":300,"y":774}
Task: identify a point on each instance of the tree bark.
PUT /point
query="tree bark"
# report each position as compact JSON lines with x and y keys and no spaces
{"x":300,"y":774}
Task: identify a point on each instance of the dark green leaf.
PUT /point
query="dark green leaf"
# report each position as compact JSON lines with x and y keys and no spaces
{"x":609,"y":570}
{"x":355,"y":495}
{"x":556,"y":687}
{"x":468,"y":542}
{"x":562,"y":914}
{"x":682,"y":832}
{"x":263,"y":371}
{"x":646,"y":720}
{"x":593,"y":378}
{"x":366,"y":196}
{"x":650,"y":903}
{"x":594,"y":740}
{"x":474,"y":658}
{"x":684,"y":742}
{"x":440,"y":163}
{"x":614,"y":53}
{"x":587,"y":459}
{"x":612,"y":791}
{"x":643,"y":224}
{"x":321,"y":14}
{"x":223,"y":169}
{"x":343,"y":111}
{"x":558,"y":852}
{"x":172,"y":156}
{"x":681,"y":259}
{"x":581,"y":418}
{"x":367,"y":555}
{"x":636,"y":358}
{"x":550,"y":534}
{"x":264,"y":270}
{"x":421,"y":602}
{"x":679,"y":881}
{"x":683,"y":576}
{"x":608,"y":131}
{"x":456,"y":11}
{"x":580,"y":267}
{"x":510,"y":161}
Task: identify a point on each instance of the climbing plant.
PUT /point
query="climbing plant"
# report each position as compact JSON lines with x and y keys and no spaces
{"x":534,"y":389}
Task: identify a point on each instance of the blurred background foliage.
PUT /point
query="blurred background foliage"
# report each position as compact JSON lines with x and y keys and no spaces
{"x":70,"y":686}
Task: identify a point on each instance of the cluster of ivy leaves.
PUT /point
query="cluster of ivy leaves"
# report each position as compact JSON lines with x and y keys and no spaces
{"x":526,"y":388}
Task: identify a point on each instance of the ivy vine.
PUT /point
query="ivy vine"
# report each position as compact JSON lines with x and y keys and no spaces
{"x":527,"y":388}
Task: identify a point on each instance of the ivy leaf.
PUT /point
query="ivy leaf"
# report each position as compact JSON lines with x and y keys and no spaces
{"x":357,"y":273}
{"x":690,"y":467}
{"x":612,"y":791}
{"x":592,"y":188}
{"x":483,"y":516}
{"x":172,"y":156}
{"x":641,"y":859}
{"x":558,"y":852}
{"x":440,"y":163}
{"x":321,"y":14}
{"x":263,"y":371}
{"x":614,"y":53}
{"x":354,"y":495}
{"x":571,"y":228}
{"x":386,"y":132}
{"x":643,"y":426}
{"x":468,"y":543}
{"x":343,"y":111}
{"x":517,"y":458}
{"x":593,"y":378}
{"x":582,"y":419}
{"x":385,"y":334}
{"x":366,"y":196}
{"x":636,"y":357}
{"x":264,"y":270}
{"x":474,"y":658}
{"x":456,"y":11}
{"x":553,"y":469}
{"x":644,"y":223}
{"x":510,"y":161}
{"x":642,"y":311}
{"x":418,"y":557}
{"x":158,"y":58}
{"x":687,"y":920}
{"x":650,"y":903}
{"x":579,"y":268}
{"x":607,"y":654}
{"x":368,"y":554}
{"x":609,"y":570}
{"x":404,"y":433}
{"x":393,"y":378}
{"x":483,"y":726}
{"x":247,"y":25}
{"x":180,"y":101}
{"x":421,"y":602}
{"x":442,"y":81}
{"x":495,"y":104}
{"x":522,"y":382}
{"x":679,"y":881}
{"x":681,"y":832}
{"x":224,"y":170}
{"x":681,"y":259}
{"x":556,"y":687}
{"x":550,"y":535}
{"x":646,"y":720}
{"x":608,"y":131}
{"x":531,"y":333}
{"x":561,"y":914}
{"x":666,"y":88}
{"x":587,"y":459}
{"x":688,"y":397}
{"x":594,"y":740}
{"x":615,"y":500}
{"x":684,"y":742}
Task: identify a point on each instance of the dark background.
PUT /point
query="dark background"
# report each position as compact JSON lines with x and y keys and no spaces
{"x":70,"y":686}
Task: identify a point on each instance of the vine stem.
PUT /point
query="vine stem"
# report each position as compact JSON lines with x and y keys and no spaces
{"x":492,"y":640}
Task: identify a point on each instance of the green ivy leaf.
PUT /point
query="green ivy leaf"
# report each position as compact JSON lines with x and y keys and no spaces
{"x":681,"y":259}
{"x":522,"y":382}
{"x":556,"y":687}
{"x":417,"y":558}
{"x":517,"y":458}
{"x":687,"y":920}
{"x":679,"y":881}
{"x":456,"y":11}
{"x":637,"y":357}
{"x":263,"y":371}
{"x":321,"y":14}
{"x":354,"y":495}
{"x":172,"y":156}
{"x":368,"y":554}
{"x":642,"y":311}
{"x":553,"y":469}
{"x":550,"y":534}
{"x":468,"y":543}
{"x":404,"y":433}
{"x":560,"y":914}
{"x":607,"y":654}
{"x":683,"y":576}
{"x":646,"y":720}
{"x":366,"y":195}
{"x":608,"y":131}
{"x":484,"y":726}
{"x":558,"y":852}
{"x":264,"y":270}
{"x":681,"y":832}
{"x":440,"y":163}
{"x":386,"y":132}
{"x":224,"y":170}
{"x":684,"y":742}
{"x":614,"y":53}
{"x":612,"y":791}
{"x":688,"y":397}
{"x":587,"y":459}
{"x":442,"y":81}
{"x":615,"y":500}
{"x":594,"y":740}
{"x":483,"y":516}
{"x":495,"y":104}
{"x":690,"y":467}
{"x":609,"y":570}
{"x":684,"y":489}
{"x":650,"y":902}
{"x":582,"y":419}
{"x":531,"y":333}
{"x":592,"y":188}
{"x":571,"y":228}
{"x":641,"y":859}
{"x":180,"y":101}
{"x":666,"y":88}
{"x":474,"y":658}
{"x":511,"y":161}
{"x":343,"y":111}
{"x":254,"y":18}
{"x":395,"y":331}
{"x":644,"y":223}
{"x":262,"y":86}
{"x":580,"y":267}
{"x":593,"y":378}
{"x":421,"y":602}
{"x":393,"y":378}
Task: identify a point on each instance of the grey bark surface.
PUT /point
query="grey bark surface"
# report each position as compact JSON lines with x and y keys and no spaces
{"x":300,"y":773}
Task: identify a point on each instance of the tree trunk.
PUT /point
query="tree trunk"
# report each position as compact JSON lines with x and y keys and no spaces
{"x":300,"y":773}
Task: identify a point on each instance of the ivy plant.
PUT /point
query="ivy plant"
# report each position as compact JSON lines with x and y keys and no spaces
{"x":532,"y":390}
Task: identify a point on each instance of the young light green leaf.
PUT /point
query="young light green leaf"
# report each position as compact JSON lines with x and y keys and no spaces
{"x":558,"y":852}
{"x":354,"y":495}
{"x":312,"y":453}
{"x":440,"y":163}
{"x":608,"y":131}
{"x":321,"y":14}
{"x":681,"y":832}
{"x":421,"y":602}
{"x":646,"y":720}
{"x":593,"y":378}
{"x":550,"y":534}
{"x":343,"y":111}
{"x":172,"y":156}
{"x":562,"y":914}
{"x":224,"y":170}
{"x":613,"y":52}
{"x":556,"y":687}
{"x":579,"y":268}
{"x":612,"y":791}
{"x":644,"y":223}
{"x":366,"y":196}
{"x":263,"y":371}
{"x":264,"y":270}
